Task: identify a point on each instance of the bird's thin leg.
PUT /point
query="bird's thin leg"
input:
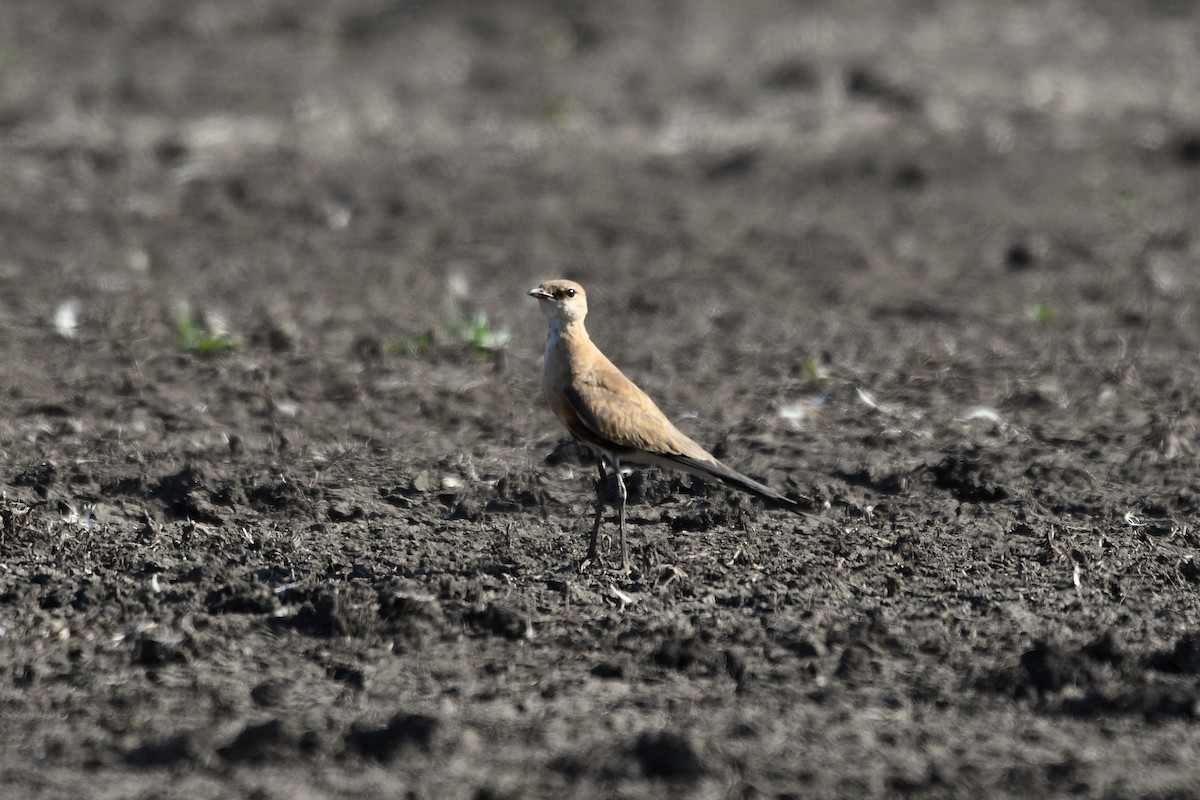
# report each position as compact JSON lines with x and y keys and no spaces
{"x":601,"y":496}
{"x":621,"y":495}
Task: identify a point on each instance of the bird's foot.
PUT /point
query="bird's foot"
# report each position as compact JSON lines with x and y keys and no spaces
{"x":590,"y":561}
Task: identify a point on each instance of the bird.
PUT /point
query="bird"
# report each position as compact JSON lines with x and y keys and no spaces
{"x":615,"y":419}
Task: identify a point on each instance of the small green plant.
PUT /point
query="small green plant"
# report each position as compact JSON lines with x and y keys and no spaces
{"x":195,"y":336}
{"x":814,"y":371}
{"x":1043,"y":313}
{"x":410,"y":345}
{"x":557,"y":41}
{"x":558,"y":110}
{"x":474,"y":334}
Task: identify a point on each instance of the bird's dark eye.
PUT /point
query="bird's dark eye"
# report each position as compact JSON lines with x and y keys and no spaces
{"x":570,"y":292}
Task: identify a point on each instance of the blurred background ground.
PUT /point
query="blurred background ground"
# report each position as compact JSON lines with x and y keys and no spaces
{"x":932,"y":265}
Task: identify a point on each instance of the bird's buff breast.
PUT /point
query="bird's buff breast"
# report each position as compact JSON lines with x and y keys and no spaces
{"x":557,"y":372}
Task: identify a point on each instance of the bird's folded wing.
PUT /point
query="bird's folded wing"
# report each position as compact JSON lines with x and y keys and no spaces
{"x":647,"y":436}
{"x":607,"y":410}
{"x":616,"y":414}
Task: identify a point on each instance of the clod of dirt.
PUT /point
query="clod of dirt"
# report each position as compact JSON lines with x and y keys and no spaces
{"x":280,"y":334}
{"x":680,"y":654}
{"x":409,"y":613}
{"x":51,"y":601}
{"x":707,"y":516}
{"x":186,"y":495}
{"x":891,"y":483}
{"x":396,"y":605}
{"x":668,"y":755}
{"x":320,"y":616}
{"x":1106,"y":650}
{"x":608,"y":670}
{"x":425,"y":481}
{"x":404,"y":732}
{"x":268,"y":694}
{"x":857,"y":662}
{"x":804,"y":645}
{"x":574,"y":765}
{"x":243,"y":599}
{"x":1104,"y":678}
{"x":396,"y":496}
{"x":170,"y":151}
{"x":864,"y":83}
{"x":12,"y":517}
{"x":1173,"y":703}
{"x":656,"y":487}
{"x":792,"y":75}
{"x":1187,"y":149}
{"x":569,"y":451}
{"x":367,"y":349}
{"x":345,"y":512}
{"x":1020,"y":256}
{"x":1184,"y":658}
{"x":350,"y":675}
{"x":40,"y":477}
{"x":468,"y":505}
{"x":910,"y":177}
{"x":24,"y":675}
{"x":967,"y":480}
{"x":1149,"y":702}
{"x":165,"y":752}
{"x":518,"y":491}
{"x":268,"y":741}
{"x":499,"y":620}
{"x":277,"y":496}
{"x":735,"y":666}
{"x":151,"y":652}
{"x":1049,"y":668}
{"x":734,"y":164}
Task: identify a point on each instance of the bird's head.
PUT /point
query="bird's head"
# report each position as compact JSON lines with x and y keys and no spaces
{"x":561,"y":301}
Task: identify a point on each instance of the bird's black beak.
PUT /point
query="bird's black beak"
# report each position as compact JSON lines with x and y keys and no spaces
{"x":540,"y":294}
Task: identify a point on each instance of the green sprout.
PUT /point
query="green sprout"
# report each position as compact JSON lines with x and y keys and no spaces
{"x":196,"y":338}
{"x":814,"y":371}
{"x":1043,"y":313}
{"x":558,"y":110}
{"x":557,"y":41}
{"x":411,"y":345}
{"x":475,"y":334}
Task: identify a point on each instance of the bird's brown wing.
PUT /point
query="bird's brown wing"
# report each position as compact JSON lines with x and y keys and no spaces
{"x":614,"y":413}
{"x":607,"y":410}
{"x":566,"y":407}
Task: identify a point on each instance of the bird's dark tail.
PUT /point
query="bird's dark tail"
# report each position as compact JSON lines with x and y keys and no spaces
{"x":736,"y":480}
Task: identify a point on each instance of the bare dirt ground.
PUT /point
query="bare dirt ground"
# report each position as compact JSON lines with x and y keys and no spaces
{"x":934,"y":266}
